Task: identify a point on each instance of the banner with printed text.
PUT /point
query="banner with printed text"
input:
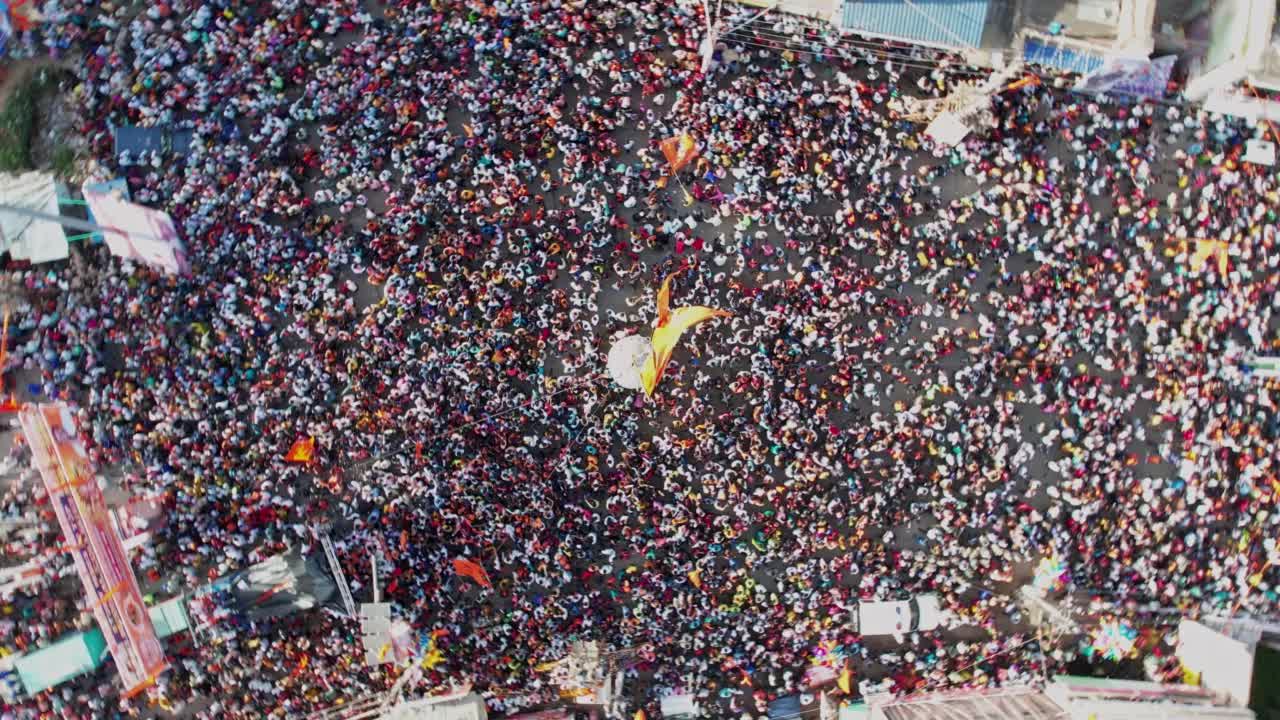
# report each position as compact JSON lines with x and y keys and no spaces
{"x":99,"y":553}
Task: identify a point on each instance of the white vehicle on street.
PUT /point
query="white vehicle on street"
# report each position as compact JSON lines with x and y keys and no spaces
{"x":898,"y":617}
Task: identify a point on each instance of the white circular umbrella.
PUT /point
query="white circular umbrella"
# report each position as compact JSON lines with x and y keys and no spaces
{"x":626,"y":359}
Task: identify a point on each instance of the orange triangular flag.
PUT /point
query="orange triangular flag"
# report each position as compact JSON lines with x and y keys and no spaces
{"x":667,"y":329}
{"x":845,"y":681}
{"x":695,"y":577}
{"x":302,"y":451}
{"x":666,"y":337}
{"x":679,"y":150}
{"x":472,"y":570}
{"x":664,"y":300}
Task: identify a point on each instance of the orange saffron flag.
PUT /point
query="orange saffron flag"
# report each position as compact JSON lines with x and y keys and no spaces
{"x":472,"y":570}
{"x":680,"y":150}
{"x":845,"y":681}
{"x":666,"y":333}
{"x":695,"y":577}
{"x":302,"y":451}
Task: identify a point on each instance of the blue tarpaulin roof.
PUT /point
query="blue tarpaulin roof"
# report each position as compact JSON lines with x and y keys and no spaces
{"x":152,"y":139}
{"x":950,"y":23}
{"x":1061,"y":57}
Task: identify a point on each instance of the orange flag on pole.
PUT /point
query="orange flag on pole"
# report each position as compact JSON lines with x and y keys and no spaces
{"x":302,"y":451}
{"x":470,"y":569}
{"x":695,"y":577}
{"x":680,"y":150}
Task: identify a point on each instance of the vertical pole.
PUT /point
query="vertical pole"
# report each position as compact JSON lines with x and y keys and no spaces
{"x":4,"y":341}
{"x":708,"y":42}
{"x":373,"y":561}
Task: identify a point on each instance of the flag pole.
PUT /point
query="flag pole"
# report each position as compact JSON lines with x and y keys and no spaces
{"x":73,"y":223}
{"x":70,"y":222}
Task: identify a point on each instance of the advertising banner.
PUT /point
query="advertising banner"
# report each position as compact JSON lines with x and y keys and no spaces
{"x":139,"y":233}
{"x":1130,"y":76}
{"x":99,"y":554}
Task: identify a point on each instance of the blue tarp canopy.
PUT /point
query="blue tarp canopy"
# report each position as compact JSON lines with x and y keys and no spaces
{"x":946,"y":23}
{"x":137,"y":140}
{"x":1061,"y":57}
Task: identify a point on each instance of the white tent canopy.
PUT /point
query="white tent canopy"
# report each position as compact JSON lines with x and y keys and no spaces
{"x":25,"y":238}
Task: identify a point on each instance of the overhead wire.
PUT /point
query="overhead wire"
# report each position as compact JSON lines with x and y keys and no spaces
{"x":822,"y":33}
{"x":840,"y":40}
{"x":825,"y":31}
{"x":816,"y":53}
{"x":759,"y":36}
{"x":787,"y":42}
{"x":937,"y":25}
{"x":875,"y":49}
{"x":846,"y":44}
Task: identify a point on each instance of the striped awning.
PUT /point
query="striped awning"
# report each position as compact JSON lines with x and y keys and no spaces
{"x":940,"y":23}
{"x":1061,"y":57}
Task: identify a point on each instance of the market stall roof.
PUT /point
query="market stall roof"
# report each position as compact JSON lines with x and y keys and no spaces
{"x":941,"y":23}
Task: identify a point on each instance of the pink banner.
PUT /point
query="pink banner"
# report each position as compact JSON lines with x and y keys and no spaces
{"x":139,"y":233}
{"x":93,"y":542}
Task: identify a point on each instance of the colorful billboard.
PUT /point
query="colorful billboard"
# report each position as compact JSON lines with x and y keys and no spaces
{"x":100,"y":556}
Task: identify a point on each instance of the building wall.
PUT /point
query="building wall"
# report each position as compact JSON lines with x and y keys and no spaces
{"x":1224,"y":664}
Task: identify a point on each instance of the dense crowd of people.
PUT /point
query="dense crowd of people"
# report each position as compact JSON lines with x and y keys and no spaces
{"x":416,"y":230}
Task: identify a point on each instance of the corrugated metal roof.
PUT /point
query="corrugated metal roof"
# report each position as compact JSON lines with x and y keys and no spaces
{"x":1061,"y":57}
{"x":946,"y":23}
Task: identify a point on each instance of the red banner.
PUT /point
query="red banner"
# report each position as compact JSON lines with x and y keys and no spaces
{"x":93,"y":542}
